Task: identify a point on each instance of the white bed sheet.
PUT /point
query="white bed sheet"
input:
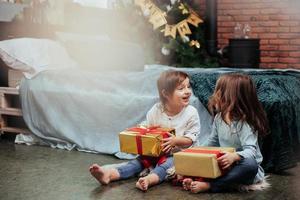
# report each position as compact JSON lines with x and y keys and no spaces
{"x":86,"y":110}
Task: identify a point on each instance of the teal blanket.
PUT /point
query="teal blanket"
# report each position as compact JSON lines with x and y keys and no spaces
{"x":279,"y":92}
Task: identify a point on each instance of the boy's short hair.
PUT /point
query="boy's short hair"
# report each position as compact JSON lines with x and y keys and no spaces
{"x":168,"y":81}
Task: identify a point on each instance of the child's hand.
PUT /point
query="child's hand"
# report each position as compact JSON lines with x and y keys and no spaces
{"x":168,"y":143}
{"x":228,"y":159}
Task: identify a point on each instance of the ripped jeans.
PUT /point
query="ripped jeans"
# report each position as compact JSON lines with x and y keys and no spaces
{"x":134,"y":167}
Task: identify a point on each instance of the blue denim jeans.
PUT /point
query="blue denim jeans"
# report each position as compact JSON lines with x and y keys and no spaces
{"x":134,"y":167}
{"x":243,"y":172}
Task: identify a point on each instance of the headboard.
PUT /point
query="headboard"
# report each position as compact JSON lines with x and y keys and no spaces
{"x":15,"y":29}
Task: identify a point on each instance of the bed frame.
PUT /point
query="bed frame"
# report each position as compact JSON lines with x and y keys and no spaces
{"x":11,"y":120}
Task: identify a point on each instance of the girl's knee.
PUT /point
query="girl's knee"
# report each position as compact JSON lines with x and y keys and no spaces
{"x":250,"y":164}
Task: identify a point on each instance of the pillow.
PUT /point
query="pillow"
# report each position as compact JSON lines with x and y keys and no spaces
{"x":14,"y":63}
{"x":32,"y":56}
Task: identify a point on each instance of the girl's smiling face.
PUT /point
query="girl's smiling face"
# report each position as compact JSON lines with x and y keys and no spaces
{"x":181,"y":95}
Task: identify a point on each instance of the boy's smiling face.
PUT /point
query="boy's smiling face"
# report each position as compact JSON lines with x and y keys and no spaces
{"x":181,"y":94}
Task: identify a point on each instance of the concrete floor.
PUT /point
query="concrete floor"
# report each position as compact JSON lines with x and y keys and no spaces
{"x":40,"y":173}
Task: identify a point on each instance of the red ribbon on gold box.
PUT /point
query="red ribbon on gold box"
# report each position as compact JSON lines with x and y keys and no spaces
{"x":200,"y":161}
{"x":144,"y":140}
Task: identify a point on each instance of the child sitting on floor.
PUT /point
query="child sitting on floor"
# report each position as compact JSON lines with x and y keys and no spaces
{"x":238,"y":120}
{"x":172,"y":111}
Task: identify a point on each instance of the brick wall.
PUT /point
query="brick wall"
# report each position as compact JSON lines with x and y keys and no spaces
{"x":275,"y":22}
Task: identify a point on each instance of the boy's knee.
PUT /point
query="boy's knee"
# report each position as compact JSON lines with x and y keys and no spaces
{"x":165,"y":167}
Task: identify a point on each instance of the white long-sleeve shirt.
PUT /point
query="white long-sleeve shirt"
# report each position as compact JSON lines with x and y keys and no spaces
{"x":186,"y":123}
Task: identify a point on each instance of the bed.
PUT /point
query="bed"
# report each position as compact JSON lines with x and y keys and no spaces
{"x":104,"y":96}
{"x":67,"y":104}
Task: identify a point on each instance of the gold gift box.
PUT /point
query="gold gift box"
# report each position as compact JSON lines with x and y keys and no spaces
{"x":199,"y":164}
{"x":150,"y":142}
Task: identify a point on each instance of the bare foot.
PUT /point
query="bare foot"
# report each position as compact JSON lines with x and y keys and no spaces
{"x":102,"y":175}
{"x":142,"y":183}
{"x":197,"y":186}
{"x":186,"y":183}
{"x":145,"y":182}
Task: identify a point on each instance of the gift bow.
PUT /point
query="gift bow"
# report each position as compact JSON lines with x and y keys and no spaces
{"x":218,"y":153}
{"x":147,"y":161}
{"x":144,"y":130}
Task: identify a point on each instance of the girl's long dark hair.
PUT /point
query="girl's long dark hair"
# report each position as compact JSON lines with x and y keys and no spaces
{"x":235,"y":95}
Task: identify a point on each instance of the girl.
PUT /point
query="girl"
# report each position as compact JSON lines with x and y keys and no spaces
{"x":174,"y":111}
{"x":238,"y":120}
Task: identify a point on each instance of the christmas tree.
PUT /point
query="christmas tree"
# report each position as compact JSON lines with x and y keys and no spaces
{"x":171,"y":32}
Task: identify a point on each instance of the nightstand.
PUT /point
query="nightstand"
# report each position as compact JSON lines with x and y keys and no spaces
{"x":244,"y":53}
{"x":11,"y":118}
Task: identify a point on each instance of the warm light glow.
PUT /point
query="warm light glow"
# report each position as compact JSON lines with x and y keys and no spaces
{"x":93,"y":3}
